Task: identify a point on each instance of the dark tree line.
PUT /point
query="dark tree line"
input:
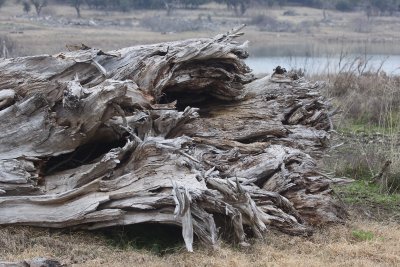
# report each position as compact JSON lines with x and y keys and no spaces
{"x":239,"y":7}
{"x":2,"y":2}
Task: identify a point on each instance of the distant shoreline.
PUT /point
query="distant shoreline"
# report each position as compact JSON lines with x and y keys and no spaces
{"x":306,"y":34}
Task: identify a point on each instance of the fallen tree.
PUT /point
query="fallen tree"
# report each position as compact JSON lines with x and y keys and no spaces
{"x":177,"y":133}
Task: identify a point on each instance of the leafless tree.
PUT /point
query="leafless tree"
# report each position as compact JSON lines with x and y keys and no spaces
{"x":39,"y":4}
{"x":77,"y":5}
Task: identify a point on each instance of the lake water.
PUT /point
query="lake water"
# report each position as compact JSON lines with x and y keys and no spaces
{"x":327,"y":65}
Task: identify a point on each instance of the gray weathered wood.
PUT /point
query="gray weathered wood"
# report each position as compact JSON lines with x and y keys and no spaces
{"x":92,"y":139}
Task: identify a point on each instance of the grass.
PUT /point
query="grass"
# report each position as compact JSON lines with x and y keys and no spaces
{"x":362,"y":192}
{"x":340,"y":245}
{"x":369,"y":99}
{"x":363,"y":128}
{"x":369,"y":131}
{"x":362,"y":235}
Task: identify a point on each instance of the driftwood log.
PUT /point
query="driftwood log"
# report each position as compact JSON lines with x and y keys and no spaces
{"x":177,"y":133}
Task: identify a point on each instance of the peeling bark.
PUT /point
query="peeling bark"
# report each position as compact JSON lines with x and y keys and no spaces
{"x":93,"y":139}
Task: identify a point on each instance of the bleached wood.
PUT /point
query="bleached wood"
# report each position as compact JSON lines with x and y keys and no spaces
{"x":242,"y":151}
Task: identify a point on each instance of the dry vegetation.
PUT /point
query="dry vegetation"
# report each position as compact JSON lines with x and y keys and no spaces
{"x":358,"y":243}
{"x":369,"y":125}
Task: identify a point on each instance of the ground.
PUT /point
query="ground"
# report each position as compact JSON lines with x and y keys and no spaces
{"x":306,"y":33}
{"x":359,"y":242}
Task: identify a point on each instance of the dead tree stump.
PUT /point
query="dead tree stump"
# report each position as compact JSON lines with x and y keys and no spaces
{"x":175,"y":133}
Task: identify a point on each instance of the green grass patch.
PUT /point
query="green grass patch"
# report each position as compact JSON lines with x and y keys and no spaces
{"x":362,"y":192}
{"x":366,"y":127}
{"x":362,"y":235}
{"x":361,"y":128}
{"x":354,"y":170}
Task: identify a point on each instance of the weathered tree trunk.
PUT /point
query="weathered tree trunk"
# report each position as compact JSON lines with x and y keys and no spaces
{"x":92,"y":139}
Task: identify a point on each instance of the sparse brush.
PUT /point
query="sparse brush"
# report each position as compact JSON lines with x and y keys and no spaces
{"x":370,"y":99}
{"x":390,"y":180}
{"x":369,"y":122}
{"x":7,"y":46}
{"x":270,"y":23}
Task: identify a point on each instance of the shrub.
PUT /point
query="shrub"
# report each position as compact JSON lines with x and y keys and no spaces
{"x":175,"y":24}
{"x":10,"y":46}
{"x":361,"y":24}
{"x":369,"y":124}
{"x":270,"y":24}
{"x":290,"y":13}
{"x":344,"y":6}
{"x":26,"y":7}
{"x":369,"y":98}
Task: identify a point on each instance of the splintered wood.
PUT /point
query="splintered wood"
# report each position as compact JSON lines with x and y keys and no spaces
{"x":176,"y":133}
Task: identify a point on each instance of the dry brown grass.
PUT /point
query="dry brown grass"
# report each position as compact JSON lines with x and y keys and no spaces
{"x":368,"y":98}
{"x":337,"y":245}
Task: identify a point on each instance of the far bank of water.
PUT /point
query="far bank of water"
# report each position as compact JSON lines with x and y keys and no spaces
{"x":329,"y":64}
